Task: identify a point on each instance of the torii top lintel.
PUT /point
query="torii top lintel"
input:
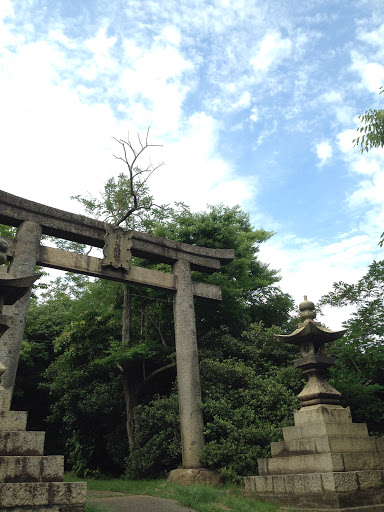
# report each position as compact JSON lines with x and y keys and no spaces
{"x":70,"y":226}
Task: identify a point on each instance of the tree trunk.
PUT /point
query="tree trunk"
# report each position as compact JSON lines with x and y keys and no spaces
{"x":126,"y":318}
{"x":129,"y":389}
{"x":130,"y":397}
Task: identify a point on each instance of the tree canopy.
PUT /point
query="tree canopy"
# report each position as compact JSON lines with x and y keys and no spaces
{"x":371,"y":135}
{"x":371,"y":129}
{"x":358,"y":374}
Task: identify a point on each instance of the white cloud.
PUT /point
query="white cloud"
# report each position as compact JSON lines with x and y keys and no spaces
{"x":59,"y":36}
{"x":345,"y":140}
{"x":195,"y":173}
{"x":243,"y":102}
{"x":375,"y":37}
{"x":270,"y":51}
{"x":332,"y":97}
{"x":154,"y":87}
{"x":324,"y":152}
{"x":254,"y":117}
{"x":371,"y":73}
{"x":171,"y":35}
{"x":6,"y":9}
{"x":310,"y":268}
{"x":369,"y":191}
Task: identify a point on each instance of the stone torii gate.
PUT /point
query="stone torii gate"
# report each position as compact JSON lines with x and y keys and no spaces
{"x":25,"y":252}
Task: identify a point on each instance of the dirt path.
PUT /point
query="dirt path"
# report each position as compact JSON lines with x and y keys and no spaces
{"x":119,"y":502}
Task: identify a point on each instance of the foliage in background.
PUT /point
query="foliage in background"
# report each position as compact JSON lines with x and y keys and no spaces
{"x":75,"y":329}
{"x":371,"y":135}
{"x":359,"y":372}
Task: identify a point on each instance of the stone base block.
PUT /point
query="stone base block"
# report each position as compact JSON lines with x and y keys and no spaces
{"x":321,"y":463}
{"x":31,"y":509}
{"x":324,"y":444}
{"x":316,"y":414}
{"x":13,"y":420}
{"x":315,"y":491}
{"x":325,"y":429}
{"x":22,"y":443}
{"x":5,"y":399}
{"x":36,"y":494}
{"x":194,"y":476}
{"x":32,"y":469}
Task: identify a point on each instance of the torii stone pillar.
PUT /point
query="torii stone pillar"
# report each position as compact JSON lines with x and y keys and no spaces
{"x":188,"y":373}
{"x":188,"y":382}
{"x":23,"y":264}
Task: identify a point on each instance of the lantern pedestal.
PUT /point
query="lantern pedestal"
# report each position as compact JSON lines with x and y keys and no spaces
{"x":325,"y":463}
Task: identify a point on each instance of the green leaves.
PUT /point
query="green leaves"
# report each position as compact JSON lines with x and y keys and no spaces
{"x":358,"y":374}
{"x":372,"y":128}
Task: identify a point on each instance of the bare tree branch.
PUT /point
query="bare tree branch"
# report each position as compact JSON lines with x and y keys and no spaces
{"x":137,"y":177}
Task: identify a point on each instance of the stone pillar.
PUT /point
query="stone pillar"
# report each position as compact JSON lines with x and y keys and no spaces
{"x":188,"y":372}
{"x":23,"y":264}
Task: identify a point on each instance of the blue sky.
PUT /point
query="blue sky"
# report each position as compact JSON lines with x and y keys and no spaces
{"x":254,"y":102}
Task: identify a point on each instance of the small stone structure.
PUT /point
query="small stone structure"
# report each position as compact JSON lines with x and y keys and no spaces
{"x":29,"y":481}
{"x":326,"y":462}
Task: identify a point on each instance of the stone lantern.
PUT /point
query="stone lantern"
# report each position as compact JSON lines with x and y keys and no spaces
{"x":311,"y":338}
{"x":326,"y":463}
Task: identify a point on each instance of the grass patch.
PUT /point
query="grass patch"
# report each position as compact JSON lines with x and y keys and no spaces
{"x":91,"y":508}
{"x":202,"y":498}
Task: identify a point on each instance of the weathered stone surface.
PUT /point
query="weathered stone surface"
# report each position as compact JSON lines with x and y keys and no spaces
{"x":78,"y":228}
{"x":22,"y":265}
{"x":188,"y":372}
{"x":315,"y":414}
{"x":33,"y":509}
{"x":363,"y":461}
{"x":42,"y":493}
{"x":334,"y":490}
{"x":325,"y":463}
{"x":92,"y":266}
{"x":24,"y":494}
{"x":325,"y":429}
{"x":325,"y":444}
{"x":5,"y":399}
{"x":31,"y":468}
{"x":13,"y":420}
{"x":194,"y":476}
{"x":68,"y":493}
{"x":21,"y":443}
{"x":312,"y":463}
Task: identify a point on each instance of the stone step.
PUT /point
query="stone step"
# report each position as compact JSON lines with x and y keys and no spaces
{"x":326,"y":444}
{"x":307,"y":431}
{"x":338,"y":490}
{"x":40,"y":494}
{"x":21,"y":443}
{"x":54,"y":508}
{"x":31,"y":468}
{"x":321,"y":463}
{"x":13,"y":420}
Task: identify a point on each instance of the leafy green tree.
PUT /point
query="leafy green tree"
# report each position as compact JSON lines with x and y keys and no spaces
{"x":249,"y":286}
{"x":371,"y":129}
{"x":371,"y":135}
{"x":359,"y":374}
{"x":249,"y":390}
{"x":127,"y":202}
